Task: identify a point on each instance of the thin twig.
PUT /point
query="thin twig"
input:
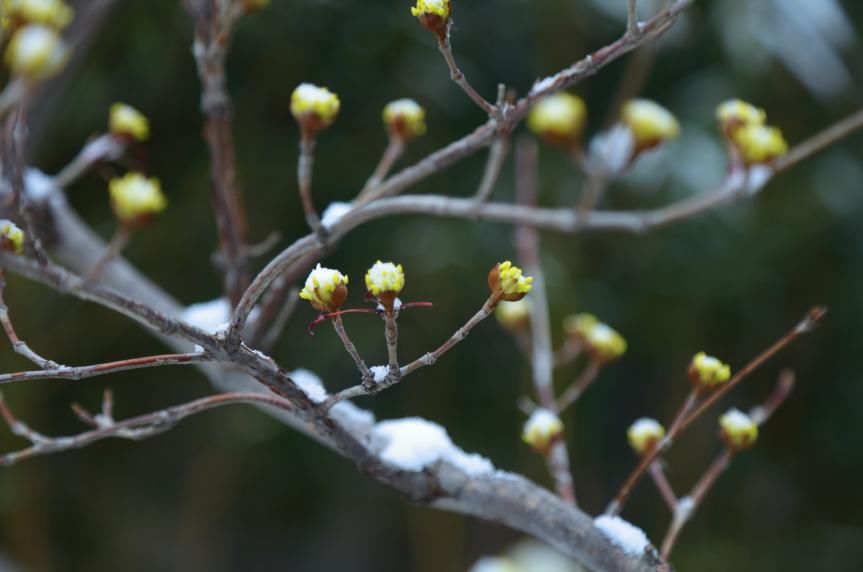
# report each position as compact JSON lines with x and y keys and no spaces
{"x":805,"y":326}
{"x":657,"y":473}
{"x":496,"y":159}
{"x":19,"y":345}
{"x":304,"y":180}
{"x":457,"y":75}
{"x":391,"y":333}
{"x":577,"y":388}
{"x":339,"y":327}
{"x":394,"y":149}
{"x":134,"y":428}
{"x":117,"y":244}
{"x":102,"y":148}
{"x":632,"y":28}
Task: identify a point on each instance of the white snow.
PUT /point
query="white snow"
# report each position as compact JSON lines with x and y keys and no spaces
{"x":613,"y":148}
{"x":625,"y":535}
{"x":543,"y":422}
{"x":310,"y":383}
{"x":209,"y":316}
{"x":543,"y":84}
{"x":736,"y":420}
{"x":380,"y":372}
{"x":334,"y":212}
{"x":348,"y":413}
{"x":414,"y":443}
{"x":492,"y":564}
{"x":39,"y":185}
{"x":758,"y":176}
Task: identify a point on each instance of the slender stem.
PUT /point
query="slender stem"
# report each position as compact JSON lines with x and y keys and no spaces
{"x":54,"y":371}
{"x":19,"y":345}
{"x":685,"y":409}
{"x":304,"y":180}
{"x":14,"y":91}
{"x":458,"y":76}
{"x":460,"y":334}
{"x":568,"y":352}
{"x":339,"y":326}
{"x":661,"y":480}
{"x":394,"y":149}
{"x":496,"y":158}
{"x":806,"y":325}
{"x":103,"y":148}
{"x":557,"y":461}
{"x":632,"y":28}
{"x":391,"y":333}
{"x":118,"y":242}
{"x":134,"y":428}
{"x":572,"y":393}
{"x":597,"y":183}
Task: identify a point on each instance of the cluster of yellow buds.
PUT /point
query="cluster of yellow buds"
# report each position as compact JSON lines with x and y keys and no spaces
{"x":708,"y":372}
{"x":126,"y":122}
{"x":558,"y":119}
{"x":744,"y":126}
{"x":404,"y":118}
{"x":326,"y":289}
{"x":737,"y":430}
{"x":384,"y":281}
{"x":11,"y":237}
{"x":513,"y":316}
{"x":541,"y":429}
{"x":602,"y":342}
{"x":649,"y":123}
{"x":644,"y":435}
{"x":35,"y":51}
{"x":508,"y":282}
{"x":433,"y":15}
{"x":135,"y":199}
{"x":315,"y":108}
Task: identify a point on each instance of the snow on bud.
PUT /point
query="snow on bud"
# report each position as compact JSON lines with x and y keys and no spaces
{"x":404,"y":118}
{"x":644,"y":435}
{"x":11,"y":237}
{"x":708,"y":372}
{"x":325,"y":289}
{"x":737,"y":430}
{"x":136,"y":198}
{"x":736,"y":113}
{"x":493,"y":564}
{"x":315,"y":108}
{"x":433,"y":15}
{"x":558,"y":118}
{"x":36,"y":52}
{"x":53,"y":13}
{"x":650,"y":123}
{"x":541,"y":429}
{"x":508,"y":282}
{"x":385,"y":279}
{"x":513,"y":316}
{"x":602,"y":342}
{"x":759,"y":144}
{"x":127,"y":122}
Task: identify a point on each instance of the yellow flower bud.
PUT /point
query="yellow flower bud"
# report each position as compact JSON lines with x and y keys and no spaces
{"x":579,"y":324}
{"x":707,"y":371}
{"x":135,"y":198}
{"x":650,"y":123}
{"x":52,"y":13}
{"x":385,"y":278}
{"x":541,"y":429}
{"x":507,"y":281}
{"x":36,"y":52}
{"x":315,"y":108}
{"x":433,"y":15}
{"x":644,"y":435}
{"x":11,"y":237}
{"x":326,"y":289}
{"x":514,"y":315}
{"x":126,"y":121}
{"x":602,"y":342}
{"x":759,"y":143}
{"x":558,"y":118}
{"x":736,"y":113}
{"x":737,"y":430}
{"x":404,"y":118}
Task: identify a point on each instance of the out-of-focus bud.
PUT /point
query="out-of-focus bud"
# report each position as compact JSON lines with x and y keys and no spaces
{"x":541,"y":429}
{"x":708,"y":372}
{"x":559,"y":119}
{"x":493,"y":564}
{"x":737,"y":430}
{"x":404,"y":118}
{"x":36,"y":52}
{"x":736,"y":113}
{"x":508,"y":282}
{"x":127,"y":122}
{"x":650,"y":123}
{"x":513,"y":316}
{"x":11,"y":237}
{"x":644,"y":435}
{"x":601,"y":341}
{"x":433,"y":15}
{"x":758,"y":144}
{"x":135,"y":199}
{"x":325,"y":289}
{"x":53,"y":13}
{"x":315,"y":108}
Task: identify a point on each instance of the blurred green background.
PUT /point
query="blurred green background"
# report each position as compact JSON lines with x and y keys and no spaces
{"x":232,"y":489}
